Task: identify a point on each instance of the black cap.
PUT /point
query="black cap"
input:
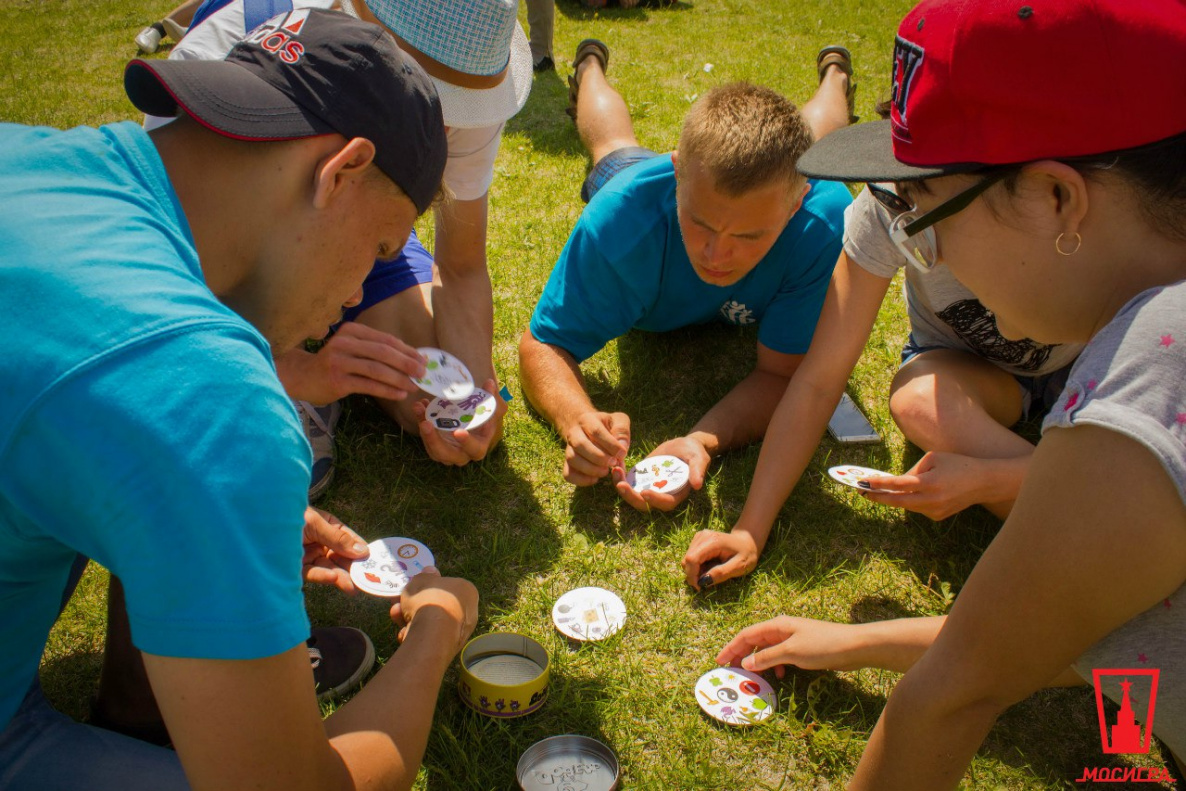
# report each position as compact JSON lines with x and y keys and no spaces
{"x":306,"y":73}
{"x":865,"y":152}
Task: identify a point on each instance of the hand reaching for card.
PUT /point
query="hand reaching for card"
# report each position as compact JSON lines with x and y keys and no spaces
{"x":802,"y":642}
{"x":330,"y":547}
{"x":596,"y":442}
{"x":714,"y":557}
{"x":938,"y":486}
{"x":356,"y":359}
{"x":430,"y":599}
{"x":685,"y":448}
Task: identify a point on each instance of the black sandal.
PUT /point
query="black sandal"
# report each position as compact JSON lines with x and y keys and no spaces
{"x":841,"y":58}
{"x":590,"y":47}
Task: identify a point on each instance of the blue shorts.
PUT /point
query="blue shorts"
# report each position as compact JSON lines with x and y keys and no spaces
{"x":1038,"y":393}
{"x":413,"y":267}
{"x":611,"y":165}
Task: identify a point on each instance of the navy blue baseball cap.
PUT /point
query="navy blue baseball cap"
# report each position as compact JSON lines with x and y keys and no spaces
{"x":307,"y":73}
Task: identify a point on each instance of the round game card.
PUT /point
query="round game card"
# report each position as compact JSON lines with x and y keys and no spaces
{"x":446,"y":376}
{"x":392,"y":562}
{"x":849,"y":474}
{"x":735,"y":696}
{"x":667,"y":474}
{"x":589,"y":614}
{"x":467,"y":413}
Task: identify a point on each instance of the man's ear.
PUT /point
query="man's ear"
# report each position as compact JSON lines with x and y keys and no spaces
{"x":806,"y":188}
{"x":675,"y":163}
{"x":340,"y":168}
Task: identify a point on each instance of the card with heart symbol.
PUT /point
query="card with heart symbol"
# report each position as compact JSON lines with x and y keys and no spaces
{"x":735,"y":696}
{"x":667,"y":474}
{"x":392,"y":562}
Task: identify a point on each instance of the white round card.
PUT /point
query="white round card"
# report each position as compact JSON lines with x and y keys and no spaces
{"x":445,"y":376}
{"x":392,"y":562}
{"x":667,"y":474}
{"x":589,"y":614}
{"x":468,"y":413}
{"x":735,"y":696}
{"x":849,"y":474}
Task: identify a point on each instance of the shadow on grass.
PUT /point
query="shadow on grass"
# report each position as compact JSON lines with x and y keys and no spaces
{"x":575,"y":10}
{"x":668,"y":381}
{"x":544,"y":122}
{"x":69,"y":682}
{"x":482,"y":522}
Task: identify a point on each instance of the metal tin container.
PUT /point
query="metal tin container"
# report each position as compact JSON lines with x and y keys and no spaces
{"x":568,"y":763}
{"x":504,"y":675}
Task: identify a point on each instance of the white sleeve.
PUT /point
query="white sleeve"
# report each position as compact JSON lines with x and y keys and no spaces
{"x":867,"y":237}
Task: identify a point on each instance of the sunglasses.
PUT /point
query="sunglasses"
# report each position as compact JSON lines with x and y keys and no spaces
{"x":914,"y":234}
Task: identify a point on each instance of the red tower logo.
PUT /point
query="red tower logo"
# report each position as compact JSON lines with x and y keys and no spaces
{"x":1125,"y":735}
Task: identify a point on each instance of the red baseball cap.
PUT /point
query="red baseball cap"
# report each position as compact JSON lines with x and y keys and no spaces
{"x":996,"y":82}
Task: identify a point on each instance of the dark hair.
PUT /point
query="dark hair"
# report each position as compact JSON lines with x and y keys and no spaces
{"x":1155,"y":173}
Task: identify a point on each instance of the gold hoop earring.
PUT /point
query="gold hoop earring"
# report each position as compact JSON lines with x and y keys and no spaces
{"x":1058,"y":244}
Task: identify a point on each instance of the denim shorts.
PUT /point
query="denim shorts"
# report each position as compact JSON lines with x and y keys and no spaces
{"x":611,"y":165}
{"x":42,"y":749}
{"x":413,"y":267}
{"x":1038,"y":393}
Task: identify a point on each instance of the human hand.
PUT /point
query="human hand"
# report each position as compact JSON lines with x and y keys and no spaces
{"x":462,"y":446}
{"x":356,"y":359}
{"x":714,"y":557}
{"x":938,"y":486}
{"x":802,"y":642}
{"x":330,"y":548}
{"x":596,"y":442}
{"x":686,"y":448}
{"x":428,"y":596}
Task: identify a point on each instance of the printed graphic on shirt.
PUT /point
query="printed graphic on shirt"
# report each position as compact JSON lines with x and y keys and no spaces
{"x":977,"y":326}
{"x":735,"y":312}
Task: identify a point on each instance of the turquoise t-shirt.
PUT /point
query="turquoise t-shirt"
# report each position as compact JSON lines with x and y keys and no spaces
{"x":625,"y":267}
{"x":144,"y":426}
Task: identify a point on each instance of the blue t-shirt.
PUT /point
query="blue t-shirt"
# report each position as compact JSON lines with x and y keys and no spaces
{"x":625,"y":266}
{"x":144,"y":426}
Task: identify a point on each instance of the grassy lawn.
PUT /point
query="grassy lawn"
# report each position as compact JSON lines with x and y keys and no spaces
{"x":524,"y":536}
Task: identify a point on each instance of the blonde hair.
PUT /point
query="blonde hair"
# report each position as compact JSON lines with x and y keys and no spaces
{"x":745,"y":136}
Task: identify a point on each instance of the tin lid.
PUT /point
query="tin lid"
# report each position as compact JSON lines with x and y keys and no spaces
{"x":568,"y":762}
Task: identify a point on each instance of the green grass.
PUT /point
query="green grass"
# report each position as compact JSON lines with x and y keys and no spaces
{"x":524,"y":536}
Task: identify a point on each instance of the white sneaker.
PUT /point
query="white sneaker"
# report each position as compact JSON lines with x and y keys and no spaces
{"x":149,"y":39}
{"x":175,"y":31}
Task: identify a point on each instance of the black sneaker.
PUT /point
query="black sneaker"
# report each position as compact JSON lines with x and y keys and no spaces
{"x":544,"y":64}
{"x":341,"y":657}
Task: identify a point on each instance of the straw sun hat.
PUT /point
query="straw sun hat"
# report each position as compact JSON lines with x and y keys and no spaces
{"x":475,"y":52}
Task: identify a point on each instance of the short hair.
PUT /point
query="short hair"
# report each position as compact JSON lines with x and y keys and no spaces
{"x":442,"y":198}
{"x":746,"y":136}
